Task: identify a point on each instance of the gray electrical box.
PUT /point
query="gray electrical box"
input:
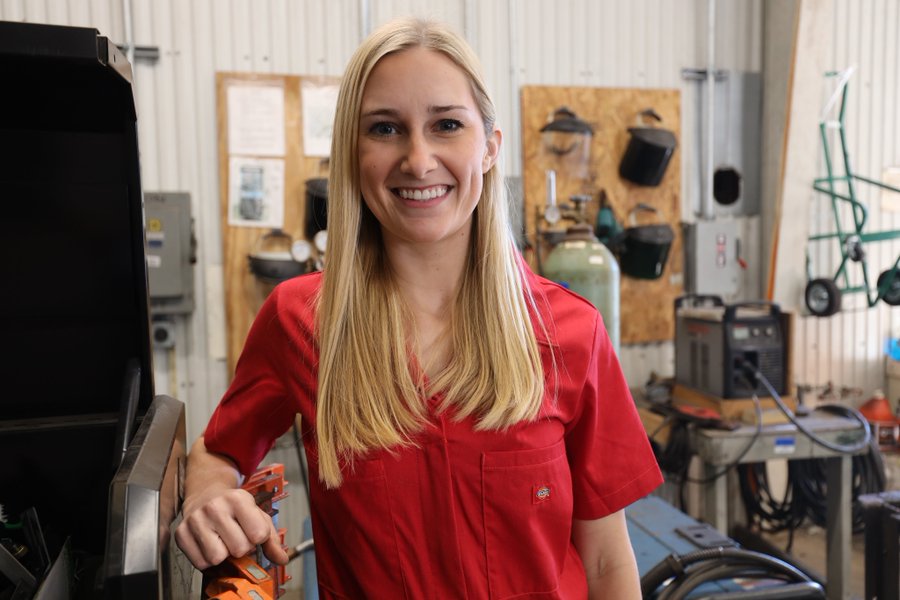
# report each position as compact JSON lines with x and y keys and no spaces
{"x":171,"y":252}
{"x":712,"y":257}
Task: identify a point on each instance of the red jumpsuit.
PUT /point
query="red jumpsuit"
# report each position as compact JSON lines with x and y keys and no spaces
{"x":464,"y":514}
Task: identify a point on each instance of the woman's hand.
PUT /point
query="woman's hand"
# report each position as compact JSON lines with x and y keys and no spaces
{"x":218,"y":518}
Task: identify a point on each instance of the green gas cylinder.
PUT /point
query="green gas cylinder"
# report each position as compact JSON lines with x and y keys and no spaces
{"x":588,"y":268}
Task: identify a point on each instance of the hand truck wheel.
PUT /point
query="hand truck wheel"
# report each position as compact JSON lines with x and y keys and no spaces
{"x":892,"y":294}
{"x":823,"y":298}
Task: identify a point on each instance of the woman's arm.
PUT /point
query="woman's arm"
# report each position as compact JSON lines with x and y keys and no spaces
{"x":218,"y":518}
{"x":609,"y":563}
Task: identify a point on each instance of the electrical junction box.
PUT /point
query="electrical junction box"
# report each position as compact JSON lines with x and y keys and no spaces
{"x":171,"y":252}
{"x":712,"y":252}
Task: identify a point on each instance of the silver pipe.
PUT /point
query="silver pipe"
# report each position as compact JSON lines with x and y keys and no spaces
{"x":707,"y":207}
{"x":469,"y":21}
{"x":512,"y":16}
{"x":365,"y":19}
{"x":129,"y":32}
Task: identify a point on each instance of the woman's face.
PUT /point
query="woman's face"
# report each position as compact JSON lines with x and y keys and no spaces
{"x":422,"y":148}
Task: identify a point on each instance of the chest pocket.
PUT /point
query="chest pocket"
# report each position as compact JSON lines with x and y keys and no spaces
{"x":360,"y":535}
{"x":527,"y":500}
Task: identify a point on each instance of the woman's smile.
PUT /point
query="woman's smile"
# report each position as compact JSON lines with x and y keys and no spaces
{"x":424,"y":195}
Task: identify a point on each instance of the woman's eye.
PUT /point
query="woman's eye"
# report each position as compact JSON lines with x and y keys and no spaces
{"x":384,"y":129}
{"x":448,"y":125}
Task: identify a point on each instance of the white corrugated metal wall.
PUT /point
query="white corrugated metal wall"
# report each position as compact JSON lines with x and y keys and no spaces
{"x":848,"y":349}
{"x":565,"y":42}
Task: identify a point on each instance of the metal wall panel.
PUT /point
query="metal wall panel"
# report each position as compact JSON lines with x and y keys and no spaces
{"x":574,"y":42}
{"x":848,"y":348}
{"x":568,"y":42}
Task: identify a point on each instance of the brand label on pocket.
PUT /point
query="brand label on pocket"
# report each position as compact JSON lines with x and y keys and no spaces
{"x":541,"y":493}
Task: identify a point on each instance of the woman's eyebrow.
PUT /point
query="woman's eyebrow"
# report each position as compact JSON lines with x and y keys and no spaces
{"x":392,"y":112}
{"x":380,"y":112}
{"x":446,"y":108}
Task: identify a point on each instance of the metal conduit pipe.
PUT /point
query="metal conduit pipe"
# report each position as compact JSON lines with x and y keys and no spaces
{"x":128,"y":22}
{"x":707,"y":206}
{"x":365,"y":20}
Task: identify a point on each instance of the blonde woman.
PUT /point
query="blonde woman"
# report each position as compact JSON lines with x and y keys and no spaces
{"x":468,"y":430}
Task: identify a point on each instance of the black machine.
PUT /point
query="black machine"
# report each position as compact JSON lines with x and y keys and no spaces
{"x":89,"y":457}
{"x":713,"y":341}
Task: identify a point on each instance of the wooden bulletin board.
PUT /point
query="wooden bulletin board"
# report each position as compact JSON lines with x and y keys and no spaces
{"x":244,"y":293}
{"x":646,"y":305}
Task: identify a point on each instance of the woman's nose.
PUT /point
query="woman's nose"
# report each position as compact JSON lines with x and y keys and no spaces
{"x":419,"y":158}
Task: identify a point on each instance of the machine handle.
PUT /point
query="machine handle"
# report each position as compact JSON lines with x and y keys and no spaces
{"x":731,"y":311}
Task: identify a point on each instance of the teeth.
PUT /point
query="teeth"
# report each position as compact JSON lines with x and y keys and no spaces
{"x":423,"y":195}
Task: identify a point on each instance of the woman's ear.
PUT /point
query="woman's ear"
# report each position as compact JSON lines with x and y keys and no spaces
{"x":491,"y":150}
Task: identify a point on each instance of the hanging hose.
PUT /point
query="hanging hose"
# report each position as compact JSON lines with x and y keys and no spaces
{"x":689,"y":571}
{"x":751,"y":371}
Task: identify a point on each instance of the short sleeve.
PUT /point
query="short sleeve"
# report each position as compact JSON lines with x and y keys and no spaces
{"x":610,"y":456}
{"x":256,"y":409}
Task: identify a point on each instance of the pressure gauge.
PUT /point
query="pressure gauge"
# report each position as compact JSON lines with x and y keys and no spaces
{"x":301,"y":251}
{"x":552,"y":214}
{"x":320,"y":240}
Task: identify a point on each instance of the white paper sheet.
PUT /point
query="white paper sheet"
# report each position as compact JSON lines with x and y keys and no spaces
{"x":319,"y":102}
{"x":256,"y":192}
{"x":256,"y":120}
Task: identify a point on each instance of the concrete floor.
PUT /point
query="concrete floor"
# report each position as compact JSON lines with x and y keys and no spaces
{"x":809,"y":549}
{"x":809,"y":542}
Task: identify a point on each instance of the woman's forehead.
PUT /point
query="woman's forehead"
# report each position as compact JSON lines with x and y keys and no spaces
{"x":417,"y":74}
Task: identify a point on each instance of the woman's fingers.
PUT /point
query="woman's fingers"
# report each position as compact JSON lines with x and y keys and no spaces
{"x":228,"y":524}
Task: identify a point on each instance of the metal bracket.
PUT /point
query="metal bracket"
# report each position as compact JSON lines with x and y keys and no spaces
{"x":145,"y":53}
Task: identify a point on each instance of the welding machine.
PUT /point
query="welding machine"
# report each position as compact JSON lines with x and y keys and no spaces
{"x":714,"y":341}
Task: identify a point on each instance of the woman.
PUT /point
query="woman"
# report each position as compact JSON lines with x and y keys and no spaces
{"x":468,"y":429}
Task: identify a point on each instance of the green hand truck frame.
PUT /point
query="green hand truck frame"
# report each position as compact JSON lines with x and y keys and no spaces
{"x":823,"y":294}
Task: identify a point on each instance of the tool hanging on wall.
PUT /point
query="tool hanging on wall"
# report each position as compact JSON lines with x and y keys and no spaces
{"x":607,"y":228}
{"x":644,"y":249}
{"x":566,"y":143}
{"x":648,"y":152}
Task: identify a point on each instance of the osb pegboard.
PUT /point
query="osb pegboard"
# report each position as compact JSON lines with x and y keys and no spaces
{"x":244,"y":293}
{"x":646,"y":305}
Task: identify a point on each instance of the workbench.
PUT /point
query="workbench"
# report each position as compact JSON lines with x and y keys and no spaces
{"x":718,"y":449}
{"x":657,"y":530}
{"x":653,"y":526}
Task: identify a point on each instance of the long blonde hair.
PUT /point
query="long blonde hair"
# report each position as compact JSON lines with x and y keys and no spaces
{"x":367,"y":395}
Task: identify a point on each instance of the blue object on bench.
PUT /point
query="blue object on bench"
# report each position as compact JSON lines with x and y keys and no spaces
{"x":310,"y":581}
{"x":652,"y":525}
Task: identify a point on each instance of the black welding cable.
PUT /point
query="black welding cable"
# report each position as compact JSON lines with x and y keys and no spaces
{"x":677,"y":565}
{"x":715,"y":572}
{"x":808,"y":477}
{"x":832,"y":408}
{"x":791,"y":591}
{"x":709,"y":479}
{"x":675,"y":458}
{"x":763,"y":509}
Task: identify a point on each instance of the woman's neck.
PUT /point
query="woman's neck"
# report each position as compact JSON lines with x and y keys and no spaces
{"x":428,"y":278}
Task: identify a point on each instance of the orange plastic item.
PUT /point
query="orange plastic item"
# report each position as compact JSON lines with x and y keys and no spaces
{"x":252,"y":577}
{"x":234,"y":588}
{"x":877,"y":409}
{"x":885,"y":426}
